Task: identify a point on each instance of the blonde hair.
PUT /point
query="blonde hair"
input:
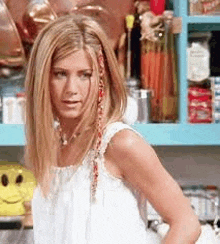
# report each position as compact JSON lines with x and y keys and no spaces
{"x":56,"y":41}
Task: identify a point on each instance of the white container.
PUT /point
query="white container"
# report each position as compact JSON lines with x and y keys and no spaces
{"x":143,"y":98}
{"x":196,"y":195}
{"x":13,"y":110}
{"x":212,"y":202}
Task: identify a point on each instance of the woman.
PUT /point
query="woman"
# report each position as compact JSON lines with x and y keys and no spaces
{"x":92,"y":169}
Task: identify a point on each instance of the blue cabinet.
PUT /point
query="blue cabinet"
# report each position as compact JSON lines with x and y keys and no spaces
{"x":181,"y":133}
{"x":184,"y":133}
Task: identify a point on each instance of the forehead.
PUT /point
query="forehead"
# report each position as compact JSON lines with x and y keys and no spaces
{"x":79,"y":60}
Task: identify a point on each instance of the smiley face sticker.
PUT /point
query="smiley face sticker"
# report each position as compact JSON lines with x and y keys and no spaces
{"x":16,"y":187}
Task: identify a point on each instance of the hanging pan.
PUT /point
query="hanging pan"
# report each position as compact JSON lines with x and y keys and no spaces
{"x":37,"y":15}
{"x":110,"y":14}
{"x":11,"y":50}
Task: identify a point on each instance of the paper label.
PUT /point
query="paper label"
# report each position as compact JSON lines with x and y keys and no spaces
{"x":198,"y":62}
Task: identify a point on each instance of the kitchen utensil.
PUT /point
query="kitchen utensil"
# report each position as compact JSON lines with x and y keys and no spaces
{"x":11,"y":49}
{"x":38,"y":14}
{"x":17,"y":11}
{"x":110,"y":14}
{"x":129,"y":25}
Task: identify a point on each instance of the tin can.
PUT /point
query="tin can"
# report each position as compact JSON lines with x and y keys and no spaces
{"x":143,"y":97}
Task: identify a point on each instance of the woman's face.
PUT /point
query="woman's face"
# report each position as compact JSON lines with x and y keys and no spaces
{"x":70,"y":84}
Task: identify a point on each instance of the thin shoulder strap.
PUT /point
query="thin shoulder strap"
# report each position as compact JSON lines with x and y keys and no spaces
{"x":110,"y":131}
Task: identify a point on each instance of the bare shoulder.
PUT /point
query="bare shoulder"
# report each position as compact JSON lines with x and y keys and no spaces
{"x":127,"y":143}
{"x":139,"y":165}
{"x":130,"y":153}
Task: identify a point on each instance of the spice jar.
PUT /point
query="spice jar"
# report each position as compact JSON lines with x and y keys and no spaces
{"x":212,"y":202}
{"x":196,"y":195}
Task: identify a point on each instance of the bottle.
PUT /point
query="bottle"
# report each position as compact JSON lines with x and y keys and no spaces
{"x":157,"y":6}
{"x":136,"y":46}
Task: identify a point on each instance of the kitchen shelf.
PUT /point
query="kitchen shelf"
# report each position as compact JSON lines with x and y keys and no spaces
{"x":154,"y":134}
{"x":182,"y":133}
{"x":203,"y":19}
{"x":12,"y":135}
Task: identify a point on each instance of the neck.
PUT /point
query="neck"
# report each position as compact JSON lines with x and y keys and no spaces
{"x":69,"y":130}
{"x":69,"y":126}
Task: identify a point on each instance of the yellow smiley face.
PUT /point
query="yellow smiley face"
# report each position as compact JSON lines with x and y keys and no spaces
{"x":16,"y":187}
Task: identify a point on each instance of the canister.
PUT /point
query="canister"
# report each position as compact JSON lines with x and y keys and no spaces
{"x":143,"y":97}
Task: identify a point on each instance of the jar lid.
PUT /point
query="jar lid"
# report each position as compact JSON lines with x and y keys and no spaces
{"x":142,"y":93}
{"x":211,"y":187}
{"x":20,"y":94}
{"x":132,"y":82}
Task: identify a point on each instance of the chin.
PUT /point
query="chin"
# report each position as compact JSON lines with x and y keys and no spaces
{"x":69,"y":115}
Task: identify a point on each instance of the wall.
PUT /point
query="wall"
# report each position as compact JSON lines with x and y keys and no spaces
{"x":192,"y":165}
{"x":188,"y":165}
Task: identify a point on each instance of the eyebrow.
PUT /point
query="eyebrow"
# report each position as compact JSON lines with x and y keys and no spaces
{"x":80,"y":69}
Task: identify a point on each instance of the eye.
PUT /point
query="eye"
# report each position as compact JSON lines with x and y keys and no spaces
{"x":59,"y":74}
{"x":86,"y":75}
{"x":4,"y":179}
{"x":19,"y":179}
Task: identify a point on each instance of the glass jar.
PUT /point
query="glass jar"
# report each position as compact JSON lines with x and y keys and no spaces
{"x":158,"y":65}
{"x":212,"y":202}
{"x":196,"y":195}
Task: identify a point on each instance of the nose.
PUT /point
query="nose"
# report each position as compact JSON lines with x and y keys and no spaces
{"x":71,"y":87}
{"x":70,"y":93}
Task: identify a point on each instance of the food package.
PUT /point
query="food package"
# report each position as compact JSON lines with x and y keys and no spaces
{"x":199,"y":105}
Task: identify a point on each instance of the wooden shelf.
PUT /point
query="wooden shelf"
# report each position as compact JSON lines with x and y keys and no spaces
{"x":155,"y":134}
{"x":180,"y":134}
{"x":203,"y":19}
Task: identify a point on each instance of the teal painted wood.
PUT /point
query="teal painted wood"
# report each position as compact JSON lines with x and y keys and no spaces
{"x":181,"y":9}
{"x":203,"y":19}
{"x":154,"y":134}
{"x":204,"y":27}
{"x":11,"y":135}
{"x":180,"y":134}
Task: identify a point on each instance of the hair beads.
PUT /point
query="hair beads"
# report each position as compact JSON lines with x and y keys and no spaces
{"x":99,"y":124}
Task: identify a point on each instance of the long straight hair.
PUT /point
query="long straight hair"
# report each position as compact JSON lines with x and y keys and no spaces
{"x":56,"y":41}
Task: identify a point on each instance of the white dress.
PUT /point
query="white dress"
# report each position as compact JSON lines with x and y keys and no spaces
{"x":67,"y":216}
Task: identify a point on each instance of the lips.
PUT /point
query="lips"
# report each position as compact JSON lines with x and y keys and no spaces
{"x":71,"y":103}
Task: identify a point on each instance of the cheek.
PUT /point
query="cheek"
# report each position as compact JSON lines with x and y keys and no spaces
{"x":55,"y":93}
{"x":86,"y":89}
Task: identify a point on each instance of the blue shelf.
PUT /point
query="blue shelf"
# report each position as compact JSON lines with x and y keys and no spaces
{"x":180,"y":134}
{"x":203,"y":19}
{"x":155,"y":134}
{"x":12,"y":135}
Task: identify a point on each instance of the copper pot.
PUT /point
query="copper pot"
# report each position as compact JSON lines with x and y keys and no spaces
{"x":11,"y":48}
{"x":109,"y":13}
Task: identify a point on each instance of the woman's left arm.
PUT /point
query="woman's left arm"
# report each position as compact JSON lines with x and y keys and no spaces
{"x":140,"y":166}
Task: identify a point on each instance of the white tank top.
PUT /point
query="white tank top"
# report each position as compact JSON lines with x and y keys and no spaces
{"x":67,"y":216}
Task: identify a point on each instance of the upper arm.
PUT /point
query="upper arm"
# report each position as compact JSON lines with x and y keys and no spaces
{"x":140,"y":166}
